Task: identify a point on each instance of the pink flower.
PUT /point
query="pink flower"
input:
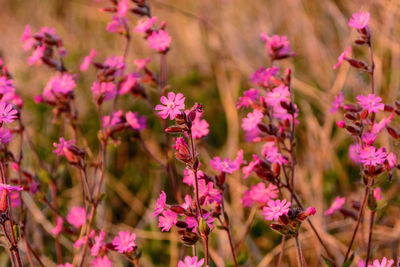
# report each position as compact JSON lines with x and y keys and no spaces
{"x":6,"y":86}
{"x":208,"y":192}
{"x":252,"y":120}
{"x":192,"y":222}
{"x":135,"y":121}
{"x":368,"y":138}
{"x":113,"y":119}
{"x":81,"y":241}
{"x":98,"y":243}
{"x":130,"y":81}
{"x":15,"y":199}
{"x":145,"y":24}
{"x":62,"y":146}
{"x":27,"y":34}
{"x":370,"y":156}
{"x":87,"y":60}
{"x":188,"y":202}
{"x":76,"y":216}
{"x":371,"y":103}
{"x":60,"y":84}
{"x":310,"y":211}
{"x":354,"y":153}
{"x":103,"y":91}
{"x":173,"y":105}
{"x":124,"y":242}
{"x":117,"y":25}
{"x":168,"y":219}
{"x":37,"y":55}
{"x":199,"y":126}
{"x":277,"y":95}
{"x":263,"y":77}
{"x":277,"y":46}
{"x":188,"y":176}
{"x":227,"y":165}
{"x":141,"y":63}
{"x":5,"y":136}
{"x":247,"y":170}
{"x":341,"y":124}
{"x":377,"y":127}
{"x":191,"y":262}
{"x":7,"y":113}
{"x":336,"y":205}
{"x":250,"y":96}
{"x":101,"y":262}
{"x":359,"y":20}
{"x":115,"y":62}
{"x":159,"y":41}
{"x":67,"y":264}
{"x":259,"y":194}
{"x":378,"y":193}
{"x":10,"y":188}
{"x":275,"y":209}
{"x":160,"y":204}
{"x":337,"y":103}
{"x":383,"y":263}
{"x":391,"y":160}
{"x":58,"y":228}
{"x":271,"y":153}
{"x":123,"y":7}
{"x":342,"y":57}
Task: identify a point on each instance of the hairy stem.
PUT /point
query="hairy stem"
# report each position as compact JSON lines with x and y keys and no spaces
{"x":299,"y":253}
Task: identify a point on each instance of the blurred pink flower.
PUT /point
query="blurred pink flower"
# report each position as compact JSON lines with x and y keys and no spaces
{"x":377,"y":127}
{"x":368,"y":138}
{"x":277,"y":95}
{"x":372,"y":103}
{"x":122,"y":8}
{"x":359,"y":20}
{"x":87,"y":60}
{"x":263,"y":77}
{"x":250,"y":96}
{"x":76,"y":216}
{"x":113,"y":119}
{"x":145,"y":24}
{"x":391,"y":160}
{"x":277,"y":46}
{"x":275,"y":209}
{"x":98,"y":243}
{"x":58,"y":228}
{"x":342,"y":57}
{"x":310,"y":211}
{"x":259,"y":194}
{"x":341,"y":124}
{"x":371,"y":156}
{"x":7,"y":113}
{"x":247,"y":170}
{"x":159,"y":40}
{"x":337,"y":103}
{"x":130,"y":81}
{"x":191,"y":262}
{"x":37,"y":55}
{"x":167,"y":220}
{"x":188,"y":176}
{"x":117,"y":25}
{"x":160,"y":204}
{"x":10,"y":188}
{"x":6,"y":86}
{"x":15,"y":200}
{"x":192,"y":222}
{"x":124,"y":242}
{"x":252,"y":120}
{"x":208,"y":192}
{"x":384,"y":263}
{"x":141,"y":63}
{"x":5,"y":136}
{"x":354,"y":152}
{"x":172,"y":105}
{"x":135,"y":121}
{"x":62,"y":146}
{"x":271,"y":153}
{"x":67,"y":264}
{"x":59,"y":84}
{"x":200,"y":127}
{"x":378,"y":193}
{"x":103,"y":91}
{"x":336,"y":205}
{"x":227,"y":165}
{"x":101,"y":262}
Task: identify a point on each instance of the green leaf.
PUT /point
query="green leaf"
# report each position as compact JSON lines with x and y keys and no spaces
{"x":349,"y":261}
{"x":328,"y":262}
{"x":17,"y":232}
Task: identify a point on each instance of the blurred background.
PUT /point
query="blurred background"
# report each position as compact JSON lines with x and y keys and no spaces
{"x":215,"y":48}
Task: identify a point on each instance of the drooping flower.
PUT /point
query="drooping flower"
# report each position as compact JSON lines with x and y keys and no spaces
{"x":135,"y":121}
{"x":167,"y":220}
{"x":227,"y":165}
{"x":113,"y":119}
{"x":159,"y":40}
{"x":250,"y":96}
{"x":208,"y":192}
{"x":391,"y":160}
{"x":101,"y":262}
{"x":124,"y":242}
{"x":62,"y":146}
{"x":337,"y":103}
{"x":5,"y":136}
{"x":359,"y":20}
{"x":342,"y":57}
{"x":372,"y":103}
{"x":58,"y":228}
{"x":103,"y":91}
{"x":172,"y":105}
{"x":98,"y":243}
{"x":130,"y":81}
{"x":371,"y":156}
{"x":145,"y":24}
{"x":336,"y":205}
{"x":271,"y":153}
{"x":87,"y":60}
{"x":160,"y":204}
{"x":191,"y":262}
{"x":37,"y":55}
{"x":275,"y":209}
{"x":252,"y":120}
{"x":377,"y":127}
{"x":7,"y":113}
{"x":76,"y":216}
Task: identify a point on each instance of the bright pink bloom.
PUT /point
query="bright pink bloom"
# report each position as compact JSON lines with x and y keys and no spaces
{"x":227,"y":165}
{"x":384,"y":263}
{"x":60,"y":84}
{"x":130,"y":81}
{"x":372,"y":103}
{"x":378,"y":193}
{"x":277,"y":45}
{"x":117,"y":25}
{"x":141,"y":63}
{"x":377,"y":127}
{"x":188,"y":202}
{"x":27,"y":34}
{"x":58,"y":228}
{"x":277,"y":95}
{"x":252,"y":120}
{"x":76,"y":216}
{"x":98,"y":243}
{"x":199,"y":126}
{"x":368,"y":138}
{"x":310,"y":211}
{"x":191,"y":262}
{"x":5,"y":136}
{"x":337,"y":103}
{"x":336,"y":205}
{"x":37,"y":55}
{"x":370,"y":156}
{"x":135,"y":121}
{"x":359,"y":20}
{"x":188,"y":176}
{"x":354,"y":152}
{"x":62,"y":146}
{"x":159,"y":40}
{"x":81,"y":241}
{"x":263,"y":77}
{"x":145,"y":24}
{"x":7,"y":113}
{"x":342,"y":57}
{"x":172,"y":105}
{"x":6,"y":86}
{"x":192,"y":222}
{"x":15,"y":200}
{"x":271,"y":153}
{"x":67,"y":264}
{"x":124,"y":242}
{"x":259,"y":194}
{"x":122,"y":8}
{"x":167,"y":220}
{"x":113,"y":119}
{"x":250,"y":96}
{"x":101,"y":262}
{"x":391,"y":160}
{"x":87,"y":60}
{"x":208,"y":192}
{"x":160,"y":204}
{"x":10,"y":188}
{"x":275,"y":209}
{"x":341,"y":124}
{"x":103,"y":91}
{"x":247,"y":170}
{"x":115,"y":62}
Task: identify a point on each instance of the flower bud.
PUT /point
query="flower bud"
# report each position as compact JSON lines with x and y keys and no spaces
{"x":4,"y":201}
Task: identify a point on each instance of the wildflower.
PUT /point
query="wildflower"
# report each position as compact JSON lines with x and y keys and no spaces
{"x":384,"y":263}
{"x":200,"y":127}
{"x":145,"y":24}
{"x":37,"y":55}
{"x":188,"y":202}
{"x":135,"y":121}
{"x":115,"y":62}
{"x":208,"y":192}
{"x":377,"y":193}
{"x":336,"y":205}
{"x":60,"y":84}
{"x":250,"y":96}
{"x":252,"y":120}
{"x":101,"y":262}
{"x":192,"y":222}
{"x":98,"y":243}
{"x":277,"y":95}
{"x":81,"y":241}
{"x":168,"y":219}
{"x":160,"y":204}
{"x":271,"y":153}
{"x":264,"y":77}
{"x":260,"y":194}
{"x":354,"y":153}
{"x":5,"y":136}
{"x":67,"y":264}
{"x":188,"y":176}
{"x":122,"y":8}
{"x":277,"y":46}
{"x":7,"y":113}
{"x":368,"y":138}
{"x":342,"y":57}
{"x":159,"y":40}
{"x":117,"y":25}
{"x":58,"y":228}
{"x":191,"y":262}
{"x":15,"y":200}
{"x":10,"y":188}
{"x":6,"y":86}
{"x":310,"y":211}
{"x":141,"y":63}
{"x":76,"y":216}
{"x":371,"y":156}
{"x":227,"y":165}
{"x":124,"y":242}
{"x":359,"y":20}
{"x":130,"y":81}
{"x":247,"y":170}
{"x":337,"y":103}
{"x":62,"y":146}
{"x":113,"y":119}
{"x":87,"y":60}
{"x":391,"y":160}
{"x":341,"y":124}
{"x":371,"y":103}
{"x":377,"y":127}
{"x":275,"y":209}
{"x":103,"y":91}
{"x":173,"y":105}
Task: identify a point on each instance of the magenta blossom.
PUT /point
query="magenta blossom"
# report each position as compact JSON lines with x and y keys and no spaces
{"x":275,"y":209}
{"x":359,"y":20}
{"x":172,"y":105}
{"x":167,"y":220}
{"x":342,"y":57}
{"x":252,"y":120}
{"x":87,"y":60}
{"x":354,"y":152}
{"x":208,"y":192}
{"x":337,"y":103}
{"x":98,"y":243}
{"x":113,"y":119}
{"x":227,"y":165}
{"x":76,"y":216}
{"x":160,"y":204}
{"x":336,"y":205}
{"x":58,"y":228}
{"x":247,"y":170}
{"x":310,"y":211}
{"x":101,"y":262}
{"x":122,"y":8}
{"x":250,"y":96}
{"x":377,"y":127}
{"x":145,"y":24}
{"x":191,"y":262}
{"x":264,"y":77}
{"x":192,"y":222}
{"x":371,"y":156}
{"x":60,"y":84}
{"x":159,"y":40}
{"x":124,"y":242}
{"x":130,"y":81}
{"x":377,"y":193}
{"x":5,"y":136}
{"x":391,"y":160}
{"x":372,"y":103}
{"x":7,"y":113}
{"x":368,"y":138}
{"x":271,"y":153}
{"x":117,"y":25}
{"x":62,"y":146}
{"x":141,"y":63}
{"x":135,"y":121}
{"x":103,"y":91}
{"x":277,"y":46}
{"x":37,"y":55}
{"x":10,"y":188}
{"x":200,"y":127}
{"x":188,"y":176}
{"x":278,"y":95}
{"x":259,"y":194}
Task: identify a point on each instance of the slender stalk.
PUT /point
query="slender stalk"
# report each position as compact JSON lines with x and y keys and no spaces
{"x":282,"y":250}
{"x":205,"y":237}
{"x":194,"y":250}
{"x":371,"y":226}
{"x":228,"y":232}
{"x":299,"y":253}
{"x":248,"y":224}
{"x":371,"y":72}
